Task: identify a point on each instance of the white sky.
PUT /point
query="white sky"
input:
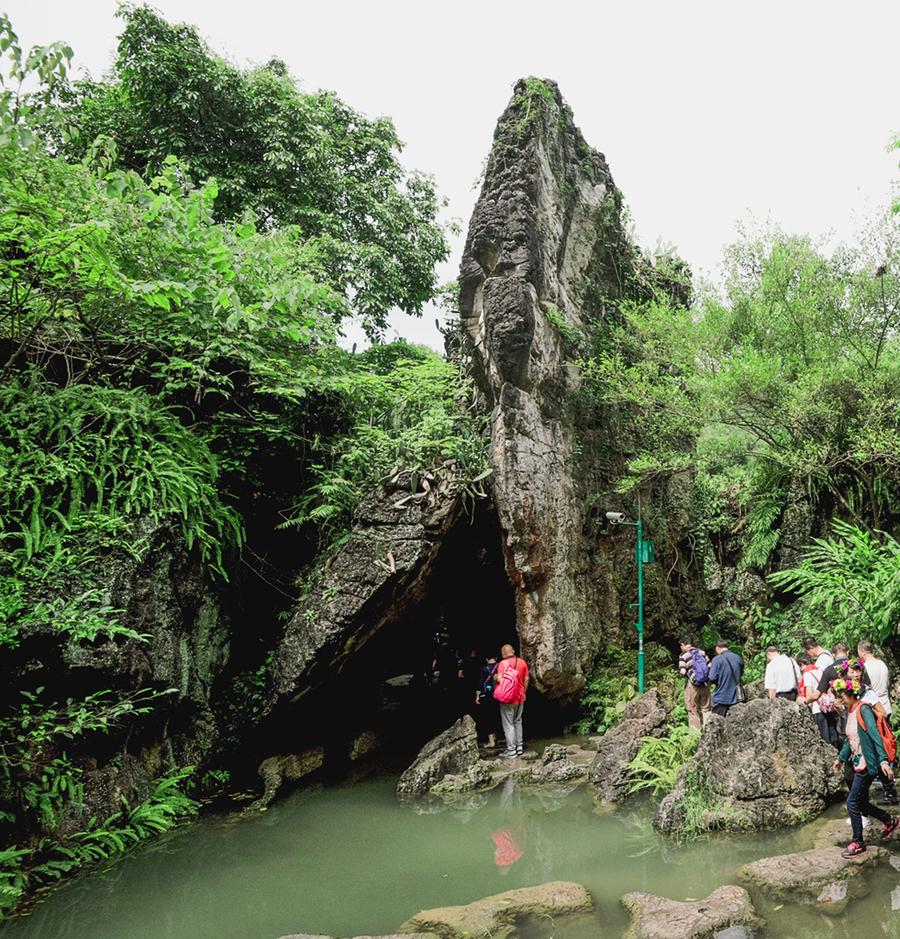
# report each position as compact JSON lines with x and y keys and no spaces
{"x":709,"y":113}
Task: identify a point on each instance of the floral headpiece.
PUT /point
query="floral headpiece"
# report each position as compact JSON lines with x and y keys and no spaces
{"x":845,"y":666}
{"x":851,"y":686}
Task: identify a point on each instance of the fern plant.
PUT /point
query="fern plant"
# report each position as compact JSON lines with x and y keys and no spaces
{"x":850,"y":579}
{"x":23,"y":868}
{"x":659,"y":760}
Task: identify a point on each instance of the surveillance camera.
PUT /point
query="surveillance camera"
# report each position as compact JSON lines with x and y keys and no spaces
{"x":615,"y":517}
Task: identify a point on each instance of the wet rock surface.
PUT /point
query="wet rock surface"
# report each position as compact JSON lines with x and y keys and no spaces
{"x":644,"y":717}
{"x":497,"y":916}
{"x":162,"y":592}
{"x":764,"y":766}
{"x":820,"y":876}
{"x":451,"y":753}
{"x":654,"y":917}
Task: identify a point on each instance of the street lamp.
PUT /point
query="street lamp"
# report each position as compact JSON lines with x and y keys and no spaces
{"x":643,"y":554}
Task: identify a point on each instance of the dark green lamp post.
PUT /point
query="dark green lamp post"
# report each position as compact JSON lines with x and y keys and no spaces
{"x":643,"y":554}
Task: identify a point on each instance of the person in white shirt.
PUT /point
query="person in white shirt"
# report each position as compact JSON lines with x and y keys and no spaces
{"x":822,"y":657}
{"x":782,"y":675}
{"x":879,"y":677}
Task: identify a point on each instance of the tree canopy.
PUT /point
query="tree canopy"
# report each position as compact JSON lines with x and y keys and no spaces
{"x":281,"y":156}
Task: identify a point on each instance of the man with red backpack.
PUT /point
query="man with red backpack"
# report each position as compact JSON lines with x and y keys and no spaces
{"x":693,"y":664}
{"x":510,"y":686}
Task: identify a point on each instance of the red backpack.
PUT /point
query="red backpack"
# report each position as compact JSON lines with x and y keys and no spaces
{"x":509,"y":688}
{"x":887,"y":735}
{"x":801,"y":685}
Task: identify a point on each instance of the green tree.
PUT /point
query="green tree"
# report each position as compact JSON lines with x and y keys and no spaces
{"x":785,"y":382}
{"x":285,"y":156}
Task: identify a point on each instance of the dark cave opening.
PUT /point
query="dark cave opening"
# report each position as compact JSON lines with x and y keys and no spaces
{"x":418,"y":673}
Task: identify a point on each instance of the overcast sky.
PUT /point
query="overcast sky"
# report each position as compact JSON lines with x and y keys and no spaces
{"x":709,"y":113}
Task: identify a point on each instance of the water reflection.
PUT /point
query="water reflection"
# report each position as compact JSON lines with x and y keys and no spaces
{"x":509,"y":841}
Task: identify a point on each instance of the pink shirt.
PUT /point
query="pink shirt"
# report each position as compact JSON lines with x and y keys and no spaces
{"x":520,"y":666}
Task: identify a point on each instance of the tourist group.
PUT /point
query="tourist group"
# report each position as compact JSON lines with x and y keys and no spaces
{"x":849,"y":700}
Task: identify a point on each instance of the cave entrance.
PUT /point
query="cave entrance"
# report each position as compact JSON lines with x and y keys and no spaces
{"x":422,"y":670}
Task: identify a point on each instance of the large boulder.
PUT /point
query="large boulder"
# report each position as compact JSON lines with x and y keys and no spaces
{"x":644,"y":717}
{"x":380,"y":573}
{"x":498,"y":916}
{"x":654,"y":917}
{"x":819,"y":876}
{"x":452,"y":752}
{"x":764,"y":766}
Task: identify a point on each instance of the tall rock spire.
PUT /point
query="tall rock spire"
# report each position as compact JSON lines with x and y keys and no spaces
{"x":542,"y":268}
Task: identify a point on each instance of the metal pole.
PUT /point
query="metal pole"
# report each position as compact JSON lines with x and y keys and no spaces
{"x":640,"y":604}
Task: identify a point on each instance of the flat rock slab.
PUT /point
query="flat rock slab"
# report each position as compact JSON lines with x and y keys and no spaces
{"x":655,"y":917}
{"x":820,"y":876}
{"x":303,"y":935}
{"x":497,"y":916}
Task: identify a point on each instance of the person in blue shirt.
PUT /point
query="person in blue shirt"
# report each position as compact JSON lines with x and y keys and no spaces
{"x":725,"y":673}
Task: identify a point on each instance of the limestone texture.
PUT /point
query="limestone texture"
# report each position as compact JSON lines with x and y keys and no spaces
{"x":164,"y":594}
{"x":451,"y":753}
{"x":820,"y":876}
{"x":546,"y":260}
{"x":379,"y":573}
{"x":274,"y":771}
{"x":764,"y":766}
{"x":498,"y":915}
{"x":644,"y":717}
{"x":654,"y":917}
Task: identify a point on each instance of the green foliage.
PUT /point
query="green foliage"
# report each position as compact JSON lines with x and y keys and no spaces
{"x":26,"y":868}
{"x":73,"y":460}
{"x":44,"y":65}
{"x":848,"y":584}
{"x":37,"y":778}
{"x":785,"y":383}
{"x":178,"y":245}
{"x":572,"y":339}
{"x":660,"y":759}
{"x":408,"y":408}
{"x":613,"y":684}
{"x":283,"y":156}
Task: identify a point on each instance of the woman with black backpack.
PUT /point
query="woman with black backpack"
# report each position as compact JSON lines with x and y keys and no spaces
{"x":487,"y":711}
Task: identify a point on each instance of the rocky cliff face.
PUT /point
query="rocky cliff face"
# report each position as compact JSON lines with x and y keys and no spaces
{"x":546,"y":262}
{"x":546,"y":265}
{"x":162,"y":592}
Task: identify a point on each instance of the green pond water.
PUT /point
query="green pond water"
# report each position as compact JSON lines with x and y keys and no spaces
{"x":350,"y":860}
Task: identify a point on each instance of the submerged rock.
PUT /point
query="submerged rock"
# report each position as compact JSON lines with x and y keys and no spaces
{"x":555,"y":765}
{"x":644,"y":717}
{"x":303,"y":935}
{"x":820,"y":876}
{"x":655,"y":917}
{"x":452,"y":752}
{"x":764,"y":766}
{"x":498,"y":916}
{"x":274,"y":771}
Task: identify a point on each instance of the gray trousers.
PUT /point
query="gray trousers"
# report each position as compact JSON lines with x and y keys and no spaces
{"x":511,"y":719}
